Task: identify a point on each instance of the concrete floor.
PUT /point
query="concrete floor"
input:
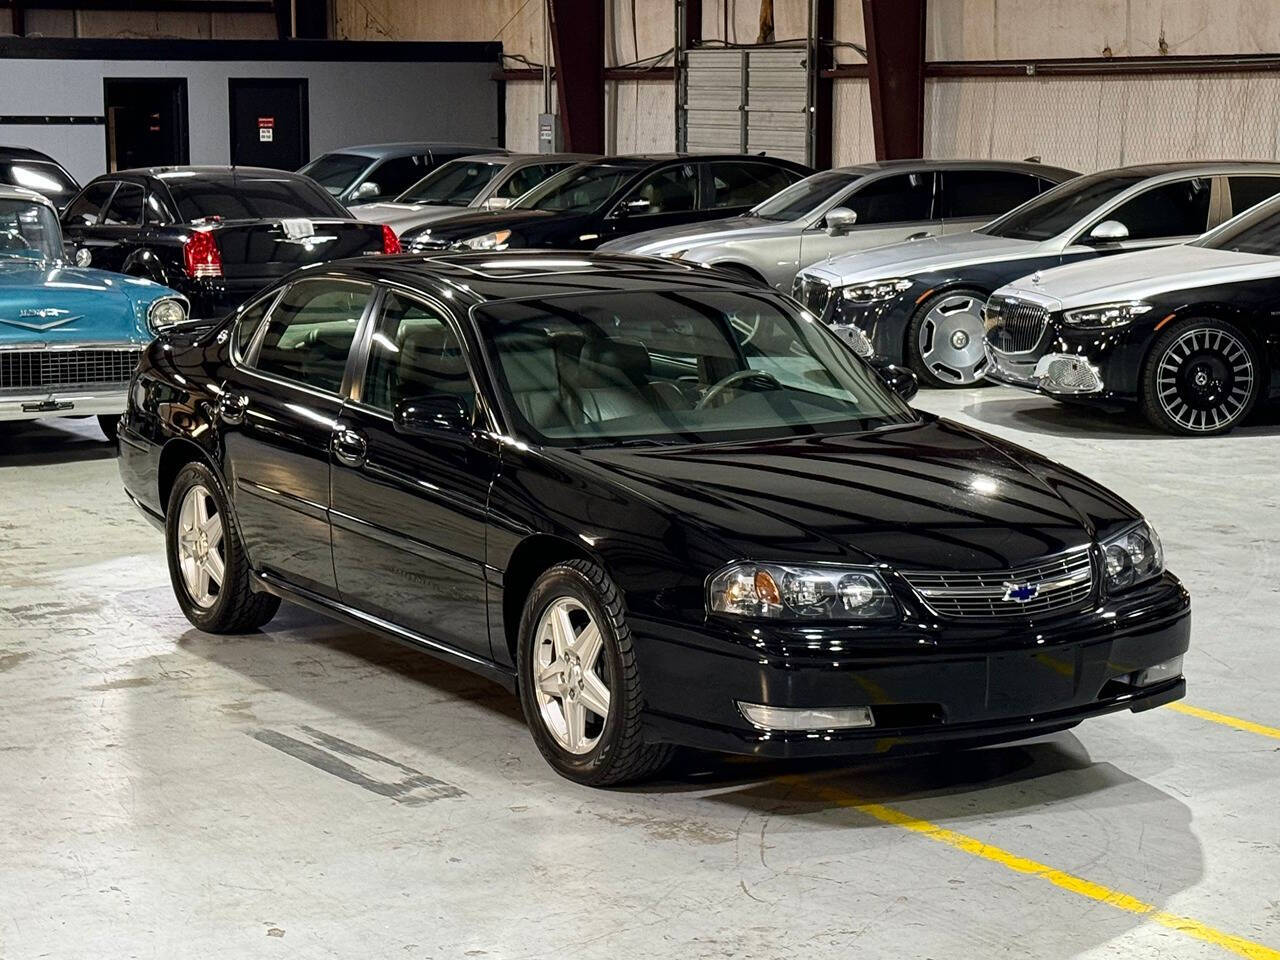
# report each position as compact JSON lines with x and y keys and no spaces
{"x":316,"y":792}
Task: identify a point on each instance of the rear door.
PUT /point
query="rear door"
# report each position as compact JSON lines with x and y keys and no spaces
{"x":276,"y":417}
{"x":1248,"y":190}
{"x":888,"y":209}
{"x":409,"y":512}
{"x":971,"y":198}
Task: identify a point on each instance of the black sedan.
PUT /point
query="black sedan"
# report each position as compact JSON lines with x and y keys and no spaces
{"x":662,"y":507}
{"x":590,"y":203}
{"x":216,"y":234}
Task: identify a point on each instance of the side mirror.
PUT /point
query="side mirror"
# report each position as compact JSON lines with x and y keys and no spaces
{"x":633,"y":207}
{"x":497,"y":203}
{"x":898,"y":379}
{"x":367,"y":191}
{"x":1109,"y":231}
{"x":431,"y":416}
{"x":840,"y":220}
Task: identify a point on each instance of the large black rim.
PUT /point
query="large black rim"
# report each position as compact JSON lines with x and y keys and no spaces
{"x":1205,"y":379}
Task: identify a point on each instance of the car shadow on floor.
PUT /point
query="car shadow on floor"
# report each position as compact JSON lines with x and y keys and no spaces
{"x":28,"y":443}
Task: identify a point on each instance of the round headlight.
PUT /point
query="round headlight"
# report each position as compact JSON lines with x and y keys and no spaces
{"x":166,"y":313}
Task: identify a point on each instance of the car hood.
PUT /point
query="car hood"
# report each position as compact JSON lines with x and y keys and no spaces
{"x":693,"y":235}
{"x":401,"y":216}
{"x":930,"y":496}
{"x":53,"y":303}
{"x":1146,"y":273}
{"x":926,"y":255}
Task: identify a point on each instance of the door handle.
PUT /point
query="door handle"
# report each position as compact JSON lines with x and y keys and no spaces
{"x":350,"y":446}
{"x":231,"y":407}
{"x":920,"y":236}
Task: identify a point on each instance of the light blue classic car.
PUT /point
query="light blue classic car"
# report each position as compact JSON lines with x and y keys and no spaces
{"x":70,"y":337}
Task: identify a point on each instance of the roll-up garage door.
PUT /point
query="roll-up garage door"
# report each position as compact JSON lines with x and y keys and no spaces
{"x":753,"y":100}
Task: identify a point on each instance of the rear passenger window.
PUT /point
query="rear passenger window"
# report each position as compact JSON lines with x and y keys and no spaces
{"x":1247,"y":192}
{"x":984,"y":193}
{"x":125,"y":209}
{"x":310,"y":332}
{"x":1178,"y":209}
{"x":84,"y":209}
{"x":246,"y":325}
{"x":746,"y":184}
{"x":903,"y":198}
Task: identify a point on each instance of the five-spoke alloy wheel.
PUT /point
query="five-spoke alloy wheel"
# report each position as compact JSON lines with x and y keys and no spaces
{"x":1201,"y":378}
{"x":944,"y":339}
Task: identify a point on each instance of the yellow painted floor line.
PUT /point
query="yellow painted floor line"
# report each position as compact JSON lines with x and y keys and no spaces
{"x":1239,"y":946}
{"x":1227,"y":721}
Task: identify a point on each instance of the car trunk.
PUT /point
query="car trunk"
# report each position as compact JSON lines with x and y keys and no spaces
{"x":258,"y":251}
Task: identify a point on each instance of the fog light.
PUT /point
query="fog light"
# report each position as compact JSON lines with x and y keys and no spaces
{"x":806,"y":718}
{"x":1161,"y":672}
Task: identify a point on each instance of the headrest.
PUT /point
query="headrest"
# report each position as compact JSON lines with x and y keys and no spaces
{"x":622,"y":356}
{"x":530,"y":364}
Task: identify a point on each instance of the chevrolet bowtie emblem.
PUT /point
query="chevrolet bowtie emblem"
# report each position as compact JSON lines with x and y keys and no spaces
{"x":1020,"y":592}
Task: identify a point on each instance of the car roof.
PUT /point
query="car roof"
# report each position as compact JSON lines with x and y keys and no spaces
{"x":407,"y":148}
{"x":512,"y":158}
{"x":24,"y":153}
{"x":1150,"y":170}
{"x":1047,"y":171}
{"x":515,"y":274}
{"x":9,"y":192}
{"x":199,"y":172}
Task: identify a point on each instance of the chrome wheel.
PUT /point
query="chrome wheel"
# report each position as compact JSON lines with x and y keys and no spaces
{"x":950,"y":339}
{"x":1205,"y":379}
{"x":201,"y":553}
{"x":572,"y":695}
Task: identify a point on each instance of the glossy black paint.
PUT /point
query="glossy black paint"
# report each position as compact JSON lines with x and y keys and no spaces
{"x":254,"y":252}
{"x":436,"y":538}
{"x":586,"y":231}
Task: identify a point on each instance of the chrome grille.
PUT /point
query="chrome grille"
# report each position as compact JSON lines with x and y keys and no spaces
{"x":813,"y":293}
{"x":36,"y":369}
{"x":1063,"y":582}
{"x":1014,"y":326}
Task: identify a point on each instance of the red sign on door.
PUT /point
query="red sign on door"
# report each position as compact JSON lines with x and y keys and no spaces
{"x":266,"y":129}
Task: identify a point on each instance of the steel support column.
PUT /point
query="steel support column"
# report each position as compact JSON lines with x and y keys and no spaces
{"x":577,"y":36}
{"x":895,"y":62}
{"x":822,"y":32}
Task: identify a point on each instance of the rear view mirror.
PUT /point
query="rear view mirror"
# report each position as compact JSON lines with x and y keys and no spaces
{"x":366,"y":191}
{"x":431,"y":416}
{"x":1109,"y":231}
{"x":840,"y":220}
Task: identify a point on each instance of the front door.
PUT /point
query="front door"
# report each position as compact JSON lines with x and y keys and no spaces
{"x":889,"y":209}
{"x":409,"y":512}
{"x":276,"y":415}
{"x":665,"y":198}
{"x":270,"y":126}
{"x":110,"y":240}
{"x":146,"y":122}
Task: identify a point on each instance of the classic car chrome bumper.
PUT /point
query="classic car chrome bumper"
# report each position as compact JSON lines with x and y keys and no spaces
{"x":105,"y":399}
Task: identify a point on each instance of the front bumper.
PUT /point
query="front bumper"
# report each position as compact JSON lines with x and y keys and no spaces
{"x":1053,"y":374}
{"x":982,"y":688}
{"x":99,"y":399}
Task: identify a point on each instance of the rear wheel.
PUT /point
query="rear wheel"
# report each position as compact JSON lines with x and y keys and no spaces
{"x":944,"y":339}
{"x":1202,"y":378}
{"x":110,"y":426}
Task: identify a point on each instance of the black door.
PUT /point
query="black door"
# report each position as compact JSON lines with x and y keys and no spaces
{"x":110,"y":241}
{"x":276,"y":416}
{"x":146,"y":122}
{"x":409,"y":512}
{"x":270,"y":124}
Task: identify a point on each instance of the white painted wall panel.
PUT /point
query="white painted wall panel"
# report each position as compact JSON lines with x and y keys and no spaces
{"x":852,"y":137}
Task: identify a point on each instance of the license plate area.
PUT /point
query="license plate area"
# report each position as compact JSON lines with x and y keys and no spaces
{"x":1033,"y":681}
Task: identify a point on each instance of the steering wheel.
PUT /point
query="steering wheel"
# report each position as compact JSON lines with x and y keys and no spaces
{"x":731,"y":381}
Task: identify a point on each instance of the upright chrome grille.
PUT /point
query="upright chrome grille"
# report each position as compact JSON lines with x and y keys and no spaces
{"x":1058,"y":583}
{"x":1015,"y":326}
{"x":36,"y":369}
{"x":813,"y":293}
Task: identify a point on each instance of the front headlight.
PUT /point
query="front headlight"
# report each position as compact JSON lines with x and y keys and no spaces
{"x":1133,"y":557}
{"x":1105,"y":315}
{"x":489,"y":241}
{"x":166,"y":312}
{"x":785,"y":592}
{"x":875,"y":291}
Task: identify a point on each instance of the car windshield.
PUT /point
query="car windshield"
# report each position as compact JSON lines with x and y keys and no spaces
{"x":457,"y":182}
{"x":336,"y":171}
{"x":29,"y":230}
{"x":578,"y":189}
{"x":40,"y":176}
{"x":679,"y":366}
{"x":1055,"y":210}
{"x":1255,"y":231}
{"x":248,"y":198}
{"x":806,"y":197}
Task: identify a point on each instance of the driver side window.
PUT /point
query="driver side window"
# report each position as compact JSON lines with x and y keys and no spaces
{"x":415,"y":352}
{"x":1179,"y":209}
{"x":309,"y":333}
{"x":670,"y":190}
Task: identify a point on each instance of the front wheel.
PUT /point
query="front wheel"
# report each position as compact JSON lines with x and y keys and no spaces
{"x":944,"y":339}
{"x":579,"y":685}
{"x":1202,"y":378}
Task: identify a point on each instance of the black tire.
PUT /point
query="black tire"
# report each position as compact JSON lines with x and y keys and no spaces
{"x":110,"y":426}
{"x":621,"y":754}
{"x":1201,"y":378}
{"x":237,"y":608}
{"x":913,"y":355}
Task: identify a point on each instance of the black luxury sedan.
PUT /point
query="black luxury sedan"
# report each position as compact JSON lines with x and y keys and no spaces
{"x":215,"y":234}
{"x":1188,"y":333}
{"x":590,"y":203}
{"x":24,"y":167}
{"x":662,"y":507}
{"x":921,"y":302}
